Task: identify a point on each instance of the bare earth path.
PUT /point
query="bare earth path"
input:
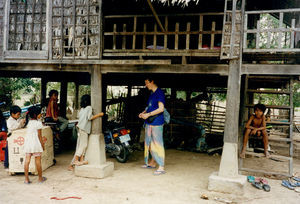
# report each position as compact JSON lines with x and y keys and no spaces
{"x":185,"y":181}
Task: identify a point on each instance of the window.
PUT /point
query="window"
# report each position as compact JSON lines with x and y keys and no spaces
{"x":75,"y":29}
{"x":27,"y":25}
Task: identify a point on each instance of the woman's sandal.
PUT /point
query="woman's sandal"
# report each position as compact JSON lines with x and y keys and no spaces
{"x":148,"y":167}
{"x":27,"y":182}
{"x":159,"y":172}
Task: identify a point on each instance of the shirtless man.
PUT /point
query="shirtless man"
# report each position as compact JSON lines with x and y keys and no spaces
{"x":256,"y":125}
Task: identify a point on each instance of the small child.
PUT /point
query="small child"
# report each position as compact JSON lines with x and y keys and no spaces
{"x":256,"y":125}
{"x":52,"y":113}
{"x":84,"y":129}
{"x":14,"y":122}
{"x":34,"y":145}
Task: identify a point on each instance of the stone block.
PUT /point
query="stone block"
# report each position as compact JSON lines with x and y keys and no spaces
{"x":95,"y":171}
{"x":234,"y":185}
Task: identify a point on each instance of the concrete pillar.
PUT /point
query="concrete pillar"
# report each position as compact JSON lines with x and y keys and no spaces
{"x":98,"y":167}
{"x":228,"y":180}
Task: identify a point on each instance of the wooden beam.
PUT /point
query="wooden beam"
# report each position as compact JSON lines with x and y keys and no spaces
{"x":220,"y":69}
{"x":155,"y":15}
{"x":271,"y":69}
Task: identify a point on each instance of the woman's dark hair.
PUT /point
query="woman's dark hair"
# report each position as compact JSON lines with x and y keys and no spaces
{"x":32,"y":113}
{"x":85,"y":101}
{"x":150,"y":79}
{"x":53,"y":91}
{"x":15,"y":109}
{"x":259,"y":106}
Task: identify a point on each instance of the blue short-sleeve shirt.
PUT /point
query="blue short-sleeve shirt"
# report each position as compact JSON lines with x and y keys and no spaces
{"x":155,"y":97}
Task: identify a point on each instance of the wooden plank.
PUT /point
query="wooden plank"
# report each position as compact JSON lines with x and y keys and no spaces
{"x":115,"y":37}
{"x":62,"y":29}
{"x":200,"y":31}
{"x":176,"y":35}
{"x":177,"y":14}
{"x":154,"y":36}
{"x":165,"y":35}
{"x":74,"y":27}
{"x":265,"y":172}
{"x":187,"y":42}
{"x":271,"y":69}
{"x":233,"y":102}
{"x":25,"y":54}
{"x":292,"y":45}
{"x":268,"y":91}
{"x":155,"y":15}
{"x":124,"y":38}
{"x":101,"y":33}
{"x":279,"y":139}
{"x":280,"y":33}
{"x":161,"y":33}
{"x":144,"y":36}
{"x":87,"y":29}
{"x":49,"y":43}
{"x":271,"y":156}
{"x":245,"y":31}
{"x":212,"y":35}
{"x":134,"y":31}
{"x":291,"y":150}
{"x":270,"y":106}
{"x":274,"y":11}
{"x":257,"y":35}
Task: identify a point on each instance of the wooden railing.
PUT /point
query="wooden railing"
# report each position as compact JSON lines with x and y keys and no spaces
{"x":273,"y":31}
{"x":183,"y":35}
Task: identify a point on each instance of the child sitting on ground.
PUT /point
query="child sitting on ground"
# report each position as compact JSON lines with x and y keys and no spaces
{"x":14,"y":122}
{"x":256,"y":126}
{"x":84,"y":129}
{"x":34,"y":145}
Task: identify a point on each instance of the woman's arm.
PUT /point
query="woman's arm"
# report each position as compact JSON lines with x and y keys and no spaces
{"x":160,"y":109}
{"x":40,"y":138}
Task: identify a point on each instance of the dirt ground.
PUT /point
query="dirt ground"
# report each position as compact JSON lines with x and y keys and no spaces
{"x":185,"y":181}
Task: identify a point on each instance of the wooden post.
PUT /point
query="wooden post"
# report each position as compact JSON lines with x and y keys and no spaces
{"x":76,"y":96}
{"x":96,"y":98}
{"x":232,"y":102}
{"x":43,"y":91}
{"x":63,"y":98}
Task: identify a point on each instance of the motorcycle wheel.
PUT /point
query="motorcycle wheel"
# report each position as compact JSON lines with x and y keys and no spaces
{"x":124,"y":154}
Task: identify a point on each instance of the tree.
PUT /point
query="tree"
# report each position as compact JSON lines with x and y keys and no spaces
{"x":11,"y":88}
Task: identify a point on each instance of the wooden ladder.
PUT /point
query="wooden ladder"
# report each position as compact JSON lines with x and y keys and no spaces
{"x":247,"y":104}
{"x":232,"y":25}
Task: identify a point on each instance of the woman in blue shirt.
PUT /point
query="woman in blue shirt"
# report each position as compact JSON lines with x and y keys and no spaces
{"x":154,"y":120}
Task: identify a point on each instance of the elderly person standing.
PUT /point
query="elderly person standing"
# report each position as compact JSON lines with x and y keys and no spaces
{"x":154,"y":120}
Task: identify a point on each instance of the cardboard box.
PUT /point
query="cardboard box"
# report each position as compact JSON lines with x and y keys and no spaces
{"x":16,"y":152}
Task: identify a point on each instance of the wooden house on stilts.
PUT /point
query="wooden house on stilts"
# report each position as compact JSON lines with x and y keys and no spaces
{"x":233,"y":45}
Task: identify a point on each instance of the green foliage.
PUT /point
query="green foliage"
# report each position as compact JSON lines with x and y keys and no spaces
{"x":11,"y":88}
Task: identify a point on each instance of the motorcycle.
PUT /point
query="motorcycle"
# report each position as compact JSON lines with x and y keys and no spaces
{"x":117,"y":143}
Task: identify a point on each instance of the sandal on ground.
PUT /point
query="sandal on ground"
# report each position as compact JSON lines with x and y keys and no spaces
{"x":296,"y":178}
{"x":243,"y":155}
{"x":264,"y":181}
{"x":266,"y":187}
{"x":27,"y":182}
{"x":250,"y":179}
{"x":43,"y":180}
{"x":159,"y":172}
{"x":297,"y":190}
{"x":148,"y":166}
{"x":287,"y":184}
{"x":257,"y":185}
